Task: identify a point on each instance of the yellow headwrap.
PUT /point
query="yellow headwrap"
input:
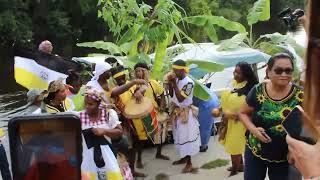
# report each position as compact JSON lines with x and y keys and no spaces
{"x":185,"y":68}
{"x":119,"y":74}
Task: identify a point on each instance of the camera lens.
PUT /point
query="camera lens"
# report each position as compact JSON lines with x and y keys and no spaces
{"x":287,"y":20}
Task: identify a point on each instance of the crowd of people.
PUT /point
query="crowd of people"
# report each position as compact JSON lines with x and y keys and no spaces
{"x":252,"y":114}
{"x":251,"y":129}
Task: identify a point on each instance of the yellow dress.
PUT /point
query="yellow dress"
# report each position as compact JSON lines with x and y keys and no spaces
{"x":234,"y":141}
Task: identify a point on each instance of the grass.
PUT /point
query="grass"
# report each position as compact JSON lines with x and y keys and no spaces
{"x":215,"y":163}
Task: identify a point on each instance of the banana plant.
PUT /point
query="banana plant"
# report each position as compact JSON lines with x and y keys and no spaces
{"x":140,"y":28}
{"x":268,"y":43}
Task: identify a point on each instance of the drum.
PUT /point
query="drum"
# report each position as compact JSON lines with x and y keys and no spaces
{"x":135,"y":110}
{"x":143,"y":116}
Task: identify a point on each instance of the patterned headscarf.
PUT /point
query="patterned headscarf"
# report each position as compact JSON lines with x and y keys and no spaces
{"x":98,"y":96}
{"x":57,"y":85}
{"x":54,"y":86}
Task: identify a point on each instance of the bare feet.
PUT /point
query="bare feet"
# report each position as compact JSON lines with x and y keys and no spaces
{"x":180,"y":161}
{"x":138,"y":174}
{"x":239,"y":170}
{"x":139,"y":165}
{"x":232,"y":173}
{"x":163,"y":157}
{"x":189,"y":169}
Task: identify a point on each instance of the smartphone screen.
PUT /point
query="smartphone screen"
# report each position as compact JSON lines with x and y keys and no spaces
{"x":46,"y":147}
{"x":294,"y":126}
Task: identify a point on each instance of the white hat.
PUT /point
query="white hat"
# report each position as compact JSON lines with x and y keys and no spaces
{"x":100,"y":68}
{"x":32,"y":95}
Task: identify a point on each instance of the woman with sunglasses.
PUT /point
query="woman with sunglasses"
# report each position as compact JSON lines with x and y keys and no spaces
{"x":267,"y":105}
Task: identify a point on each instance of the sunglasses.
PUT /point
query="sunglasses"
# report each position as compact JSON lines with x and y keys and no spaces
{"x":279,"y":71}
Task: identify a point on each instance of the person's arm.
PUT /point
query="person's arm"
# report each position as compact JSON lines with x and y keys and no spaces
{"x":170,"y":86}
{"x":159,"y":90}
{"x":259,"y":132}
{"x":112,"y":133}
{"x":177,"y":92}
{"x":121,"y":89}
{"x":305,"y":157}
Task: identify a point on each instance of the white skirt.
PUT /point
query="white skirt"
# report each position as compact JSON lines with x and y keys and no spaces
{"x":187,"y":136}
{"x":110,"y":171}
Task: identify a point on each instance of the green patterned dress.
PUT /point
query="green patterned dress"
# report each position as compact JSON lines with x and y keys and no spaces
{"x":269,"y":114}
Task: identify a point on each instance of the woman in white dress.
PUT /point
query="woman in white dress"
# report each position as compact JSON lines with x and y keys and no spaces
{"x":99,"y":124}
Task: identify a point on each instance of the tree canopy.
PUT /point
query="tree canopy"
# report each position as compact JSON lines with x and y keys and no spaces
{"x":67,"y":22}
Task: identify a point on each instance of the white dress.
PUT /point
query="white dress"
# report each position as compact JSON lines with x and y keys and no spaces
{"x":111,"y":170}
{"x":186,"y":135}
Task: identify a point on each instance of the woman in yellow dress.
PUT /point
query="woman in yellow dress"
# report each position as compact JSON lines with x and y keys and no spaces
{"x":231,"y":101}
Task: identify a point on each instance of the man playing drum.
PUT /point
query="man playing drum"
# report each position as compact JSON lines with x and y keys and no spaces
{"x":153,"y":91}
{"x":185,"y":125}
{"x":121,"y":94}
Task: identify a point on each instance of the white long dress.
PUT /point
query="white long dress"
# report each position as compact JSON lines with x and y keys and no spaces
{"x":111,"y":170}
{"x":186,"y":135}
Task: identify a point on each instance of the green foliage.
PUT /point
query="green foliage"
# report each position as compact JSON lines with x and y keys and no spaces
{"x":122,"y":14}
{"x":269,"y":48}
{"x":59,"y":24}
{"x":208,"y":23}
{"x":216,"y":20}
{"x":268,"y":43}
{"x":207,"y":66}
{"x":279,"y":39}
{"x":200,"y":91}
{"x":259,"y":12}
{"x":216,"y":163}
{"x":235,"y":42}
{"x":141,"y":57}
{"x":108,"y":46}
{"x":15,"y":25}
{"x":231,"y":14}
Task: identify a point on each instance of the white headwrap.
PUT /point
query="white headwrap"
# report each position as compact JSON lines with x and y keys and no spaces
{"x":32,"y":95}
{"x":100,"y":68}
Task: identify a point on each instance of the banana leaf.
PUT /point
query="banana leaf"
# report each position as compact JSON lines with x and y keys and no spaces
{"x":206,"y":66}
{"x":259,"y":12}
{"x":235,"y":42}
{"x":279,"y":39}
{"x":108,"y":46}
{"x":200,"y":91}
{"x":220,"y":21}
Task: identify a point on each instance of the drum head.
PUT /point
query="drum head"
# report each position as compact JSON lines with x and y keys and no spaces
{"x":135,"y":110}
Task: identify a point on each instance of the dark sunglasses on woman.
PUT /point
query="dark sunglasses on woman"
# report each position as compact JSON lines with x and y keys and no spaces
{"x":279,"y":71}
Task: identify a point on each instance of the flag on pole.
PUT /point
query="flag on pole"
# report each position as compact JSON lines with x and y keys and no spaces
{"x":38,"y":69}
{"x":30,"y":74}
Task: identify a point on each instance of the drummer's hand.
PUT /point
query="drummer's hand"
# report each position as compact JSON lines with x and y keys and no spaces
{"x":139,"y":81}
{"x":172,"y":77}
{"x":138,"y":96}
{"x":98,"y":131}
